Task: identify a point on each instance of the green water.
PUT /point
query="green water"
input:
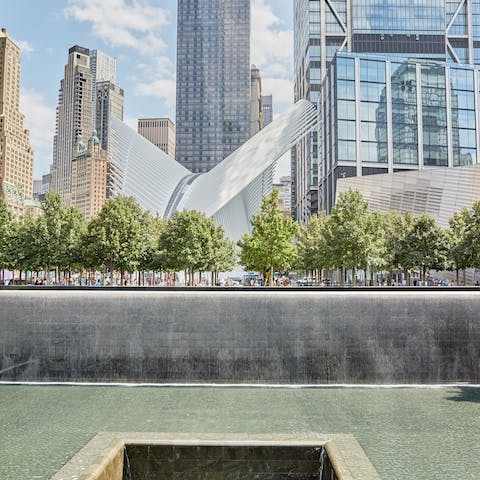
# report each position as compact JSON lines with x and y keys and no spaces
{"x":406,"y":433}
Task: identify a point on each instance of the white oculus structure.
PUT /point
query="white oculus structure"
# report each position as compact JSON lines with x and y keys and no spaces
{"x":231,"y":192}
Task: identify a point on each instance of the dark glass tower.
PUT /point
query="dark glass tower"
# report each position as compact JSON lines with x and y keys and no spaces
{"x":213,"y":81}
{"x":384,"y":105}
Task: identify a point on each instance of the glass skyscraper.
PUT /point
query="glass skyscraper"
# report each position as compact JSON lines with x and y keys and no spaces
{"x":385,"y":76}
{"x":213,"y":81}
{"x":385,"y":116}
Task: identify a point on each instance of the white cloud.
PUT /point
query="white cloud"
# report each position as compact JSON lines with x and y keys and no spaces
{"x":24,"y":45}
{"x":132,"y":122}
{"x":281,"y":89}
{"x":135,"y":24}
{"x":272,"y":52}
{"x":157,"y":80}
{"x":40,"y":120}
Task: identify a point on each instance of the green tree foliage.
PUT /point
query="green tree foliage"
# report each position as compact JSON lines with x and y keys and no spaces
{"x":425,"y":246}
{"x":194,"y":243}
{"x":314,"y":249}
{"x":222,"y":254}
{"x":55,"y":236}
{"x":7,"y":230}
{"x":471,"y":236}
{"x":270,"y":247}
{"x":152,"y":257}
{"x":26,"y":246}
{"x":350,"y":232}
{"x":116,"y":237}
{"x":460,"y":251}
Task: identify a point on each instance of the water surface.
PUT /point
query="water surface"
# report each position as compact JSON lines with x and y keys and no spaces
{"x":406,"y":432}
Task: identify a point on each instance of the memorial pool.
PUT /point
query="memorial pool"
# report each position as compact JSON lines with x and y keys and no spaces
{"x":426,"y":433}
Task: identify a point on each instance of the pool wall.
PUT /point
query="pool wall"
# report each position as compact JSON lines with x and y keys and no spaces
{"x":273,"y":337}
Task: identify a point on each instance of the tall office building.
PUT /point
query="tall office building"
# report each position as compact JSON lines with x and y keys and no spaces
{"x":109,"y":102}
{"x":160,"y":132}
{"x":103,"y":69}
{"x":74,"y":117}
{"x":88,"y":97}
{"x":416,"y":47}
{"x":16,"y":154}
{"x":213,"y":81}
{"x":256,"y":111}
{"x":267,"y":109}
{"x":89,"y":176}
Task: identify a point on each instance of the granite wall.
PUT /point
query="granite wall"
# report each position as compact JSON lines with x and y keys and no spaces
{"x":284,"y":336}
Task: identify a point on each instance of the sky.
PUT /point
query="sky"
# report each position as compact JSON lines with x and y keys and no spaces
{"x":141,"y":35}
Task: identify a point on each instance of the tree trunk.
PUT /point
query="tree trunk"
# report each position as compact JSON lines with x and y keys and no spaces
{"x":457,"y":276}
{"x":354,"y":277}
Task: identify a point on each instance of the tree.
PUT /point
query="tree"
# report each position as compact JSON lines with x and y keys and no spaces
{"x":187,"y":243}
{"x":115,"y":238}
{"x":7,"y":229}
{"x":152,"y":258}
{"x":425,"y":246}
{"x":223,"y":255}
{"x":54,"y":236}
{"x":460,"y":252}
{"x":314,"y":249}
{"x":349,"y":234}
{"x":270,"y":247}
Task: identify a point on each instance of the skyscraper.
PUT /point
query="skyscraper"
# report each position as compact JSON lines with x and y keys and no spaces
{"x":109,"y":102}
{"x":213,"y":81}
{"x":16,"y":154}
{"x":387,"y":99}
{"x":267,"y":109}
{"x":74,"y":117}
{"x":88,"y":97}
{"x":256,"y":111}
{"x":160,"y":132}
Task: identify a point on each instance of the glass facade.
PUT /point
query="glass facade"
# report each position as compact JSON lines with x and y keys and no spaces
{"x":379,"y":115}
{"x":213,"y":81}
{"x":382,"y":104}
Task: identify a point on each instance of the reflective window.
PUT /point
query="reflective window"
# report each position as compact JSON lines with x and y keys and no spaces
{"x":346,"y":130}
{"x":461,"y":79}
{"x":372,"y":92}
{"x":346,"y":151}
{"x":373,"y":152}
{"x":346,"y":109}
{"x":464,"y":156}
{"x":372,"y":71}
{"x":466,"y":138}
{"x":369,"y":111}
{"x":405,"y":153}
{"x":399,"y":16}
{"x":463,"y":118}
{"x":435,"y":155}
{"x":314,"y":52}
{"x":462,"y":99}
{"x":345,"y":68}
{"x":346,"y":89}
{"x":315,"y":74}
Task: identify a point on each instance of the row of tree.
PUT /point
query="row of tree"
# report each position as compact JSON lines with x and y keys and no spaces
{"x":353,"y":238}
{"x":123,"y":238}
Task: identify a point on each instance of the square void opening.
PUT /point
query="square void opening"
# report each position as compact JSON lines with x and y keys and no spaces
{"x":204,"y":462}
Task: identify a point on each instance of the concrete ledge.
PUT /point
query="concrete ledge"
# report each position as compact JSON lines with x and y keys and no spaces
{"x":95,"y":460}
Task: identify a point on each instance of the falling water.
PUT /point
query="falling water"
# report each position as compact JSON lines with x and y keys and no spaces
{"x":127,"y":474}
